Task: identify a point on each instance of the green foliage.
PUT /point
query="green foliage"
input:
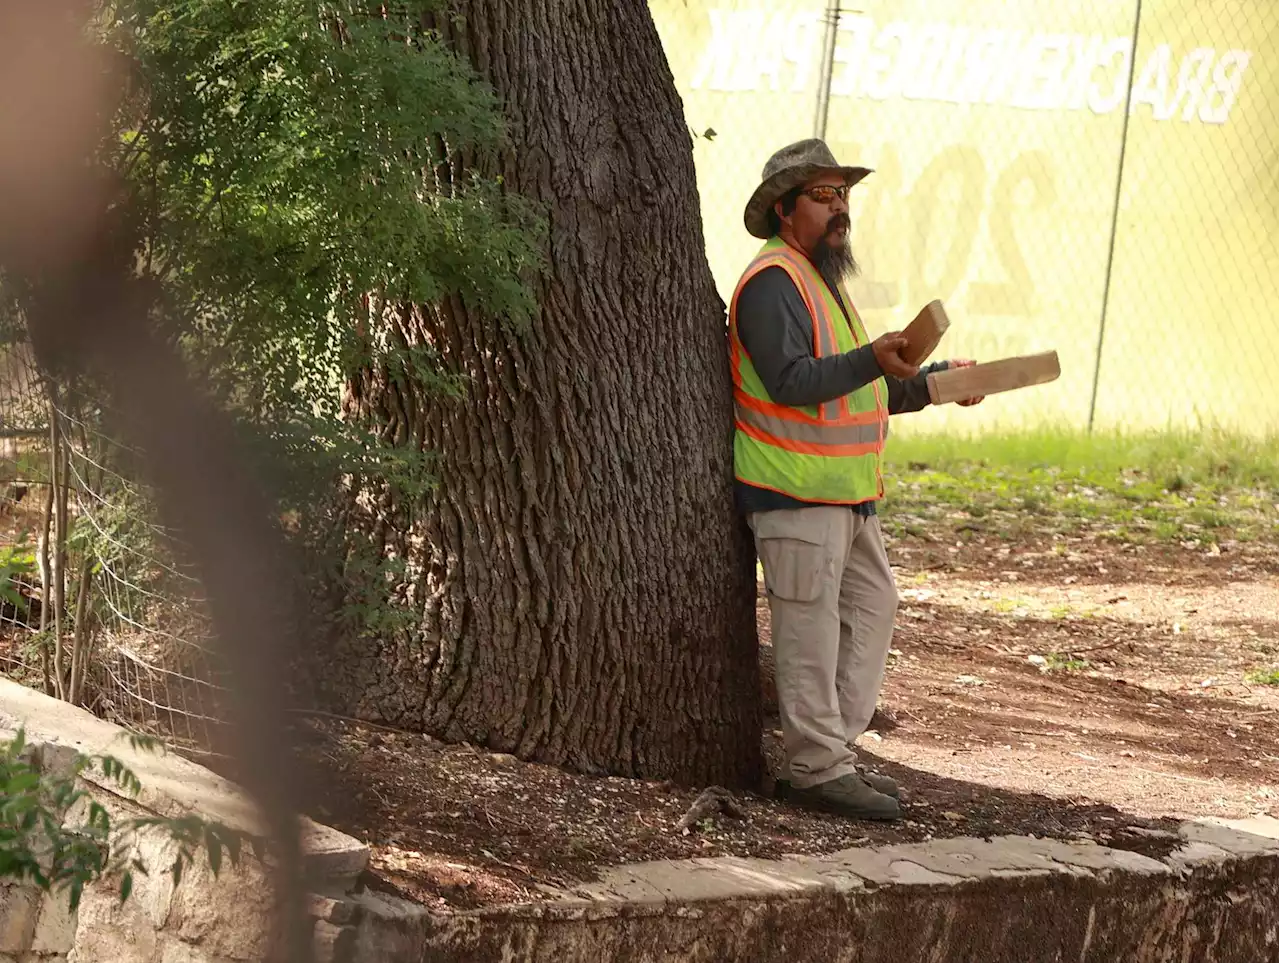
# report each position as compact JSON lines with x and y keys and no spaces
{"x":288,"y":159}
{"x":1060,"y":662}
{"x":1263,"y":675}
{"x":17,"y":563}
{"x":300,"y":175}
{"x":37,"y":847}
{"x":370,"y":578}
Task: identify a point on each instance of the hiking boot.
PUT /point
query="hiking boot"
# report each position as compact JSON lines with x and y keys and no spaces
{"x":881,"y":784}
{"x":846,"y":796}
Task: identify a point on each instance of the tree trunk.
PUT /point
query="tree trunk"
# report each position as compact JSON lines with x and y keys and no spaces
{"x":586,"y":591}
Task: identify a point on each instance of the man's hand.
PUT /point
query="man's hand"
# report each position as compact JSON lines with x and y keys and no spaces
{"x":887,"y":350}
{"x":965,"y":363}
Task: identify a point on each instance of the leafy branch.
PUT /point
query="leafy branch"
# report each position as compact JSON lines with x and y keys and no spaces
{"x":39,"y":848}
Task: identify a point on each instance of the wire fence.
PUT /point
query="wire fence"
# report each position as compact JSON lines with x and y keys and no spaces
{"x":1098,"y":178}
{"x":96,"y":611}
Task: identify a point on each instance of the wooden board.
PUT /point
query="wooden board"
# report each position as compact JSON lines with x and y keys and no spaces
{"x":925,"y":332}
{"x":1008,"y":374}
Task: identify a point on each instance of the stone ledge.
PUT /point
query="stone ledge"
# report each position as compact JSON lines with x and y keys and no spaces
{"x":1212,"y":899}
{"x":171,"y":784}
{"x":1016,"y":899}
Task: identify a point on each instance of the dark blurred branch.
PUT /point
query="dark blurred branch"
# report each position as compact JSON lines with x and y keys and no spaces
{"x":67,"y":234}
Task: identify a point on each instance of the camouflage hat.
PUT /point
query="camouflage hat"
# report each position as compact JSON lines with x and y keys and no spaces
{"x":790,"y":167}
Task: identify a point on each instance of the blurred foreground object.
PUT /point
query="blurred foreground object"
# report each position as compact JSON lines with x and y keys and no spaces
{"x":67,"y":253}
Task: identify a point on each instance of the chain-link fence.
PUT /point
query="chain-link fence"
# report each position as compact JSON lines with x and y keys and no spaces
{"x":94,"y":610}
{"x":1052,"y":188}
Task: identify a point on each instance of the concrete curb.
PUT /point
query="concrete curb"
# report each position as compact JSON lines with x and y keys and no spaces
{"x":1015,"y":899}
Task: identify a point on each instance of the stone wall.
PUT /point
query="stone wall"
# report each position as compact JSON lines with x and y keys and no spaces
{"x":1207,"y":894}
{"x":205,"y":918}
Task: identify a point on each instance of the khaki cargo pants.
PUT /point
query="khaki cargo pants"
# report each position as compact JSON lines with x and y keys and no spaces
{"x":832,"y":599}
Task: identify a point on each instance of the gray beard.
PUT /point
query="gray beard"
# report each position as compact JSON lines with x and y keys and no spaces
{"x":835,"y":264}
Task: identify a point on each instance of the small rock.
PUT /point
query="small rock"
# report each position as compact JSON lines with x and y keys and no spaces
{"x":1153,"y":833}
{"x":953,"y":817}
{"x":502,"y":758}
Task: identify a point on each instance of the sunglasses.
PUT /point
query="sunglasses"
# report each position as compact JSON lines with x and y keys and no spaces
{"x":825,"y":193}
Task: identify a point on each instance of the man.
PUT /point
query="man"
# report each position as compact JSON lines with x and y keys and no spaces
{"x":813,"y":395}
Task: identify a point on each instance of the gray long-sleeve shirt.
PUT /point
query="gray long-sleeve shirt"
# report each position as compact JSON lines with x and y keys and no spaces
{"x":776,"y":331}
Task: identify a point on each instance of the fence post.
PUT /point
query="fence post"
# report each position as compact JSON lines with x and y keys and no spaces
{"x":831,"y":23}
{"x":1115,"y":215}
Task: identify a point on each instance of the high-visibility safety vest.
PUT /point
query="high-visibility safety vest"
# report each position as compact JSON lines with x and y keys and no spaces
{"x":828,"y":453}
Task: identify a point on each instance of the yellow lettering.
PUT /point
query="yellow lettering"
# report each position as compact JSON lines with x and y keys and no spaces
{"x":920,"y":62}
{"x":883,"y":78}
{"x":980,"y":62}
{"x":1225,"y":85}
{"x":1008,"y":64}
{"x":716,"y":64}
{"x":1152,"y":86}
{"x":769,"y":53}
{"x":1041,"y":87}
{"x":746,"y":74}
{"x":803,"y":51}
{"x":948,"y":87}
{"x":851,"y":55}
{"x":1102,"y":101}
{"x":1192,"y":76}
{"x":1076,"y":81}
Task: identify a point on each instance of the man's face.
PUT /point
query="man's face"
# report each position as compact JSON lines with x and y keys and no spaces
{"x":821,"y":217}
{"x":819,"y":226}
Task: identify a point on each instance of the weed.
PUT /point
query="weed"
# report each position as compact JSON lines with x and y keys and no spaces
{"x":1058,"y":662}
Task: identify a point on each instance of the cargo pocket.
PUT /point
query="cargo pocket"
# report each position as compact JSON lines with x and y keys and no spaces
{"x":795,"y":559}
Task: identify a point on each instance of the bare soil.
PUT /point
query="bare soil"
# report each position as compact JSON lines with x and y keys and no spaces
{"x":1063,"y":688}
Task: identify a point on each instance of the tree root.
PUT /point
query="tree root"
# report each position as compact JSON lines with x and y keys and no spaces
{"x":709,"y":802}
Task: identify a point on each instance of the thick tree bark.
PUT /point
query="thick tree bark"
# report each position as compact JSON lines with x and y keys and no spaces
{"x":586,"y":589}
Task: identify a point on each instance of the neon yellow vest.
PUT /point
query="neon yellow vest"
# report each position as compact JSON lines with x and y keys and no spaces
{"x":828,"y":453}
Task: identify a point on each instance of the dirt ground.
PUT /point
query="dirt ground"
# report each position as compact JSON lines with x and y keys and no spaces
{"x":1063,"y":688}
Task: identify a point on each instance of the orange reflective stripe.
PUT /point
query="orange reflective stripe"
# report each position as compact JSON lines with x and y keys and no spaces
{"x":735,"y":345}
{"x":795,"y":414}
{"x":821,"y":303}
{"x":788,"y":260}
{"x":823,"y":435}
{"x":810,"y":285}
{"x":808,"y":448}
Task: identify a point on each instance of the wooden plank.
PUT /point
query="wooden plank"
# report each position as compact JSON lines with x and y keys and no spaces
{"x":925,"y":332}
{"x":993,"y":377}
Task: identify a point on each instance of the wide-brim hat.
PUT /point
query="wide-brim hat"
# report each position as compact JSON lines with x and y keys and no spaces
{"x":791,"y":167}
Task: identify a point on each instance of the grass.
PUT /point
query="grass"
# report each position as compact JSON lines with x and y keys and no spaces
{"x":1263,"y":676}
{"x":1169,"y":486}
